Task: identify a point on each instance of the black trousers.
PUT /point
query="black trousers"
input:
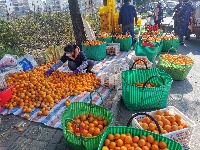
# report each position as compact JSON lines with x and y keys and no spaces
{"x":72,"y":65}
{"x":158,"y":22}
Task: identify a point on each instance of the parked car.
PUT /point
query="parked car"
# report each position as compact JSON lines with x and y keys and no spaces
{"x":194,"y":26}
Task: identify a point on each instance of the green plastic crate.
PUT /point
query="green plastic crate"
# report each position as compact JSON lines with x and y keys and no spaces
{"x":125,"y":44}
{"x":172,"y":145}
{"x":97,"y":52}
{"x":176,"y":71}
{"x":75,"y":109}
{"x":150,"y":52}
{"x":141,"y":98}
{"x":170,"y":45}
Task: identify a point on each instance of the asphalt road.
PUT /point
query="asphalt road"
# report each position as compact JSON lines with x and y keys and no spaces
{"x":184,"y":95}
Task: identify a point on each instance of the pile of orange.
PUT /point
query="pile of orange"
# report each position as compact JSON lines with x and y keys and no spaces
{"x":141,"y":60}
{"x":128,"y":142}
{"x":168,"y":122}
{"x":121,"y":36}
{"x":151,"y":38}
{"x":177,"y":59}
{"x":92,"y":42}
{"x":103,"y":35}
{"x":152,"y":32}
{"x":149,"y":84}
{"x":169,"y":37}
{"x":90,"y":125}
{"x":32,"y":89}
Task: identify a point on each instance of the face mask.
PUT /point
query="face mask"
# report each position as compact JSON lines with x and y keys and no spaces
{"x":68,"y":55}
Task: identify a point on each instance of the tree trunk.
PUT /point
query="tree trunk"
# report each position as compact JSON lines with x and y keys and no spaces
{"x":104,"y":2}
{"x":77,"y":22}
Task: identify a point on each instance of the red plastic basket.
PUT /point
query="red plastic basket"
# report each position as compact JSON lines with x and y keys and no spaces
{"x":5,"y":96}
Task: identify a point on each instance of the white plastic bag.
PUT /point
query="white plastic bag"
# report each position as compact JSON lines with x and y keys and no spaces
{"x":8,"y":60}
{"x":27,"y":62}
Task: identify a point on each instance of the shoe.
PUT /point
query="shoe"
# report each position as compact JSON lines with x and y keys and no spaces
{"x":89,"y":71}
{"x":181,"y":43}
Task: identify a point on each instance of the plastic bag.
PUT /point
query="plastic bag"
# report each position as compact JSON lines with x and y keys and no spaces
{"x":27,"y":62}
{"x":8,"y":60}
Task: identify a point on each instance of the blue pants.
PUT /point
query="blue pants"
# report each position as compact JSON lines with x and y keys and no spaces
{"x":182,"y":29}
{"x":128,"y":29}
{"x":73,"y":66}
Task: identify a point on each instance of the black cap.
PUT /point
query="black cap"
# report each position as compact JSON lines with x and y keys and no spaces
{"x":68,"y":48}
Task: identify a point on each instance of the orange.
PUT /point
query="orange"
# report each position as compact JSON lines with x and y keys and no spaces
{"x":144,"y":126}
{"x":107,"y":142}
{"x":152,"y":127}
{"x":168,"y":128}
{"x":128,"y":140}
{"x":148,"y":145}
{"x":158,"y":117}
{"x":119,"y":142}
{"x":91,"y":119}
{"x":141,"y":142}
{"x":172,"y":119}
{"x":39,"y":113}
{"x":135,"y":139}
{"x":131,"y":148}
{"x":117,"y":136}
{"x":85,"y":132}
{"x":145,"y":148}
{"x":146,"y":120}
{"x":134,"y":145}
{"x":174,"y":127}
{"x":112,"y":145}
{"x":26,"y":116}
{"x":150,"y":138}
{"x":137,"y":148}
{"x":105,"y":122}
{"x":91,"y":130}
{"x":123,"y":148}
{"x":162,"y":145}
{"x":123,"y":136}
{"x":100,"y":118}
{"x":97,"y":132}
{"x":178,"y":117}
{"x":89,"y":135}
{"x":143,"y":137}
{"x":155,"y":142}
{"x":105,"y":148}
{"x":95,"y":123}
{"x":154,"y":147}
{"x":158,"y":112}
{"x":111,"y":137}
{"x":166,"y":113}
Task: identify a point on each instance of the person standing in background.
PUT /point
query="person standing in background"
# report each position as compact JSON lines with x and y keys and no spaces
{"x":158,"y":14}
{"x":127,"y":15}
{"x":177,"y":9}
{"x":184,"y":19}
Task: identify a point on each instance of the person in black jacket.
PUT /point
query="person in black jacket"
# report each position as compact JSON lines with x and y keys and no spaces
{"x":77,"y":61}
{"x":126,"y":18}
{"x":177,"y":9}
{"x":158,"y":14}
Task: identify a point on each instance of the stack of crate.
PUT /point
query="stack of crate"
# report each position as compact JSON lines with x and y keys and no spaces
{"x":111,"y":3}
{"x":105,"y":19}
{"x":116,"y":28}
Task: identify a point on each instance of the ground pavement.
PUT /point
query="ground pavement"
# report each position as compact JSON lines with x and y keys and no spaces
{"x":36,"y":136}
